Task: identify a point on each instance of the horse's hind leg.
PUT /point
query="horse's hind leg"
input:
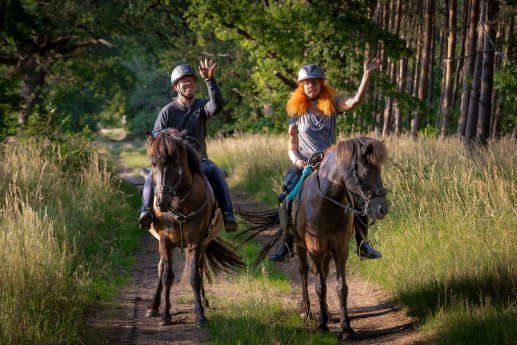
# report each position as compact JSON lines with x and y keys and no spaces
{"x":197,"y":284}
{"x":167,"y":280}
{"x":303,"y":269}
{"x":342,"y":290}
{"x":202,"y":273}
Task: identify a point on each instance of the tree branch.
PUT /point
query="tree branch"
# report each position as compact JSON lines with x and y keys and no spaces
{"x":289,"y":82}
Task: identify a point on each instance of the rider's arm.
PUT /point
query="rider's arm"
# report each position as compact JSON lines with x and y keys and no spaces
{"x":161,"y":122}
{"x":349,"y":103}
{"x":294,"y":155}
{"x":216,"y":100}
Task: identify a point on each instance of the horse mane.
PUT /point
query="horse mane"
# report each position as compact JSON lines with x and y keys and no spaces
{"x":170,"y":142}
{"x":348,"y":150}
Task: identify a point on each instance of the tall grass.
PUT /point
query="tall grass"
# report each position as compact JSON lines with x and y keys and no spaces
{"x":450,"y":239}
{"x":61,"y":217}
{"x":255,"y":163}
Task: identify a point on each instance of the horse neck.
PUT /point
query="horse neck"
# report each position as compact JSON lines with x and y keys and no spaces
{"x":330,"y":177}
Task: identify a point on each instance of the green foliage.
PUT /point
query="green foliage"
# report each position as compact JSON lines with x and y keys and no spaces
{"x":65,"y":229}
{"x":285,"y":36}
{"x":442,"y":258}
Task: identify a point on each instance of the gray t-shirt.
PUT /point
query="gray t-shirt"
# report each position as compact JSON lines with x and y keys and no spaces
{"x":315,"y":132}
{"x":192,"y":119}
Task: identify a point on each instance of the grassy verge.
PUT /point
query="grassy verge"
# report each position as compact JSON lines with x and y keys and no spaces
{"x":65,"y":227}
{"x":253,"y":309}
{"x":449,"y":242}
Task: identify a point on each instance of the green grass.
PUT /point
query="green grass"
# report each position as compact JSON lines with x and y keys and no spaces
{"x":65,"y":229}
{"x":259,"y":306}
{"x":449,"y":241}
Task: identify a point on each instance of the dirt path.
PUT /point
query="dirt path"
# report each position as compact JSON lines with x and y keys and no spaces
{"x":375,"y":319}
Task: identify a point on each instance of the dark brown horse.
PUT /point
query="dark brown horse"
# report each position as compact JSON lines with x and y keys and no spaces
{"x":347,"y":180}
{"x":186,"y":216}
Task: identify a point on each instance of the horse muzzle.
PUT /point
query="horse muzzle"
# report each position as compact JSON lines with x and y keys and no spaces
{"x":378,"y":210}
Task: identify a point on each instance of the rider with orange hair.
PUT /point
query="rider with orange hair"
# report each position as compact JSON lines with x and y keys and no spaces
{"x":313,"y":109}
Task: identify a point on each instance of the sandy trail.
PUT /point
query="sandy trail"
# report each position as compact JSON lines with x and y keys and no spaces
{"x":373,"y":316}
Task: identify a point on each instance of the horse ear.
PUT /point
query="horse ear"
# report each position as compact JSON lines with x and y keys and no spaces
{"x":149,"y":136}
{"x":367,"y":150}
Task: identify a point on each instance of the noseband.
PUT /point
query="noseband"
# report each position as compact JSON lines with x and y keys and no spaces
{"x":366,"y":196}
{"x":164,"y":188}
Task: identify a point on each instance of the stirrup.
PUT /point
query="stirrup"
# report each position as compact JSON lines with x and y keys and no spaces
{"x":145,"y":172}
{"x":371,"y":255}
{"x":146,"y":219}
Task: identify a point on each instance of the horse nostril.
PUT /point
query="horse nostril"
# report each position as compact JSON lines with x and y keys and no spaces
{"x":382,"y":211}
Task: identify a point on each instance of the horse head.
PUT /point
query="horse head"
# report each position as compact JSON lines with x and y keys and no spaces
{"x":167,"y":154}
{"x":362,"y":162}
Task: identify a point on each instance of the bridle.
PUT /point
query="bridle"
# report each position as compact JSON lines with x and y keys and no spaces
{"x":177,"y":212}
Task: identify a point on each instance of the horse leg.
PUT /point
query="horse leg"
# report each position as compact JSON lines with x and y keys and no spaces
{"x":303,"y":269}
{"x":203,"y":294}
{"x":342,"y":290}
{"x":167,"y":280}
{"x":321,"y":290}
{"x":153,"y":308}
{"x":196,"y":283}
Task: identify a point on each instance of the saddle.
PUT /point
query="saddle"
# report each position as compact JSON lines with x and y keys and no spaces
{"x":295,"y":188}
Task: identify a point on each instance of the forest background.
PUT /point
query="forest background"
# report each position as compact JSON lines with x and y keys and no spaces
{"x":71,"y":68}
{"x":448,"y":66}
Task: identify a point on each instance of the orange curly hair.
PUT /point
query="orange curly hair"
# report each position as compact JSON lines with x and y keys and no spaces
{"x":298,"y":104}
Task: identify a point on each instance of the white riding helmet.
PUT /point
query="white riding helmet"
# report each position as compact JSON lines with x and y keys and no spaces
{"x":310,"y":71}
{"x":181,"y":71}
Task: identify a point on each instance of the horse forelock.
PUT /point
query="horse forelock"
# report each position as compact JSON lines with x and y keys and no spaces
{"x":347,"y":151}
{"x":163,"y":147}
{"x":170,"y":143}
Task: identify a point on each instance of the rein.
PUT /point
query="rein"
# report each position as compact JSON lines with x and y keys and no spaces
{"x":365,"y":195}
{"x":178,"y":215}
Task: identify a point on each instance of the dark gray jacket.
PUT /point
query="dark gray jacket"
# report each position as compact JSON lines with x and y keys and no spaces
{"x":192,"y":119}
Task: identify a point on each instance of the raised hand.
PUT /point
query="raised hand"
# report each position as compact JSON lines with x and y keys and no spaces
{"x":206,"y":68}
{"x":371,"y":65}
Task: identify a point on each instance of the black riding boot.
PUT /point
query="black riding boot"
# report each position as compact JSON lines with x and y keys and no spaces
{"x":366,"y":250}
{"x":146,"y":216}
{"x":285,"y":251}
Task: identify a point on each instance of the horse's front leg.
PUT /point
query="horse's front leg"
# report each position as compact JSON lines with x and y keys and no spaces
{"x":196,"y":283}
{"x":153,"y":308}
{"x":347,"y":331}
{"x":321,"y":264}
{"x":167,"y":280}
{"x":303,"y":269}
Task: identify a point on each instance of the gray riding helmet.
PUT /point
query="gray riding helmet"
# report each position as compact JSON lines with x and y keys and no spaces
{"x":310,"y":71}
{"x":181,"y":71}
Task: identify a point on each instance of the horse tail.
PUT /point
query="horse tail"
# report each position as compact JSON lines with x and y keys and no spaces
{"x":262,"y":221}
{"x":220,"y":256}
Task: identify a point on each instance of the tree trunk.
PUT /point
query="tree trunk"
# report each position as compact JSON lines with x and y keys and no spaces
{"x":451,"y":49}
{"x":472,"y":118}
{"x":424,"y":68}
{"x":487,"y":74}
{"x":31,"y":86}
{"x":470,"y":62}
{"x":461,"y":60}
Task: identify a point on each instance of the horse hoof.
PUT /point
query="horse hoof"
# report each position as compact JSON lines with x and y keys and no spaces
{"x":322,"y":328}
{"x":201,"y":323}
{"x":152,"y":313}
{"x":166,"y":322}
{"x":348,"y":335}
{"x":306,"y":316}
